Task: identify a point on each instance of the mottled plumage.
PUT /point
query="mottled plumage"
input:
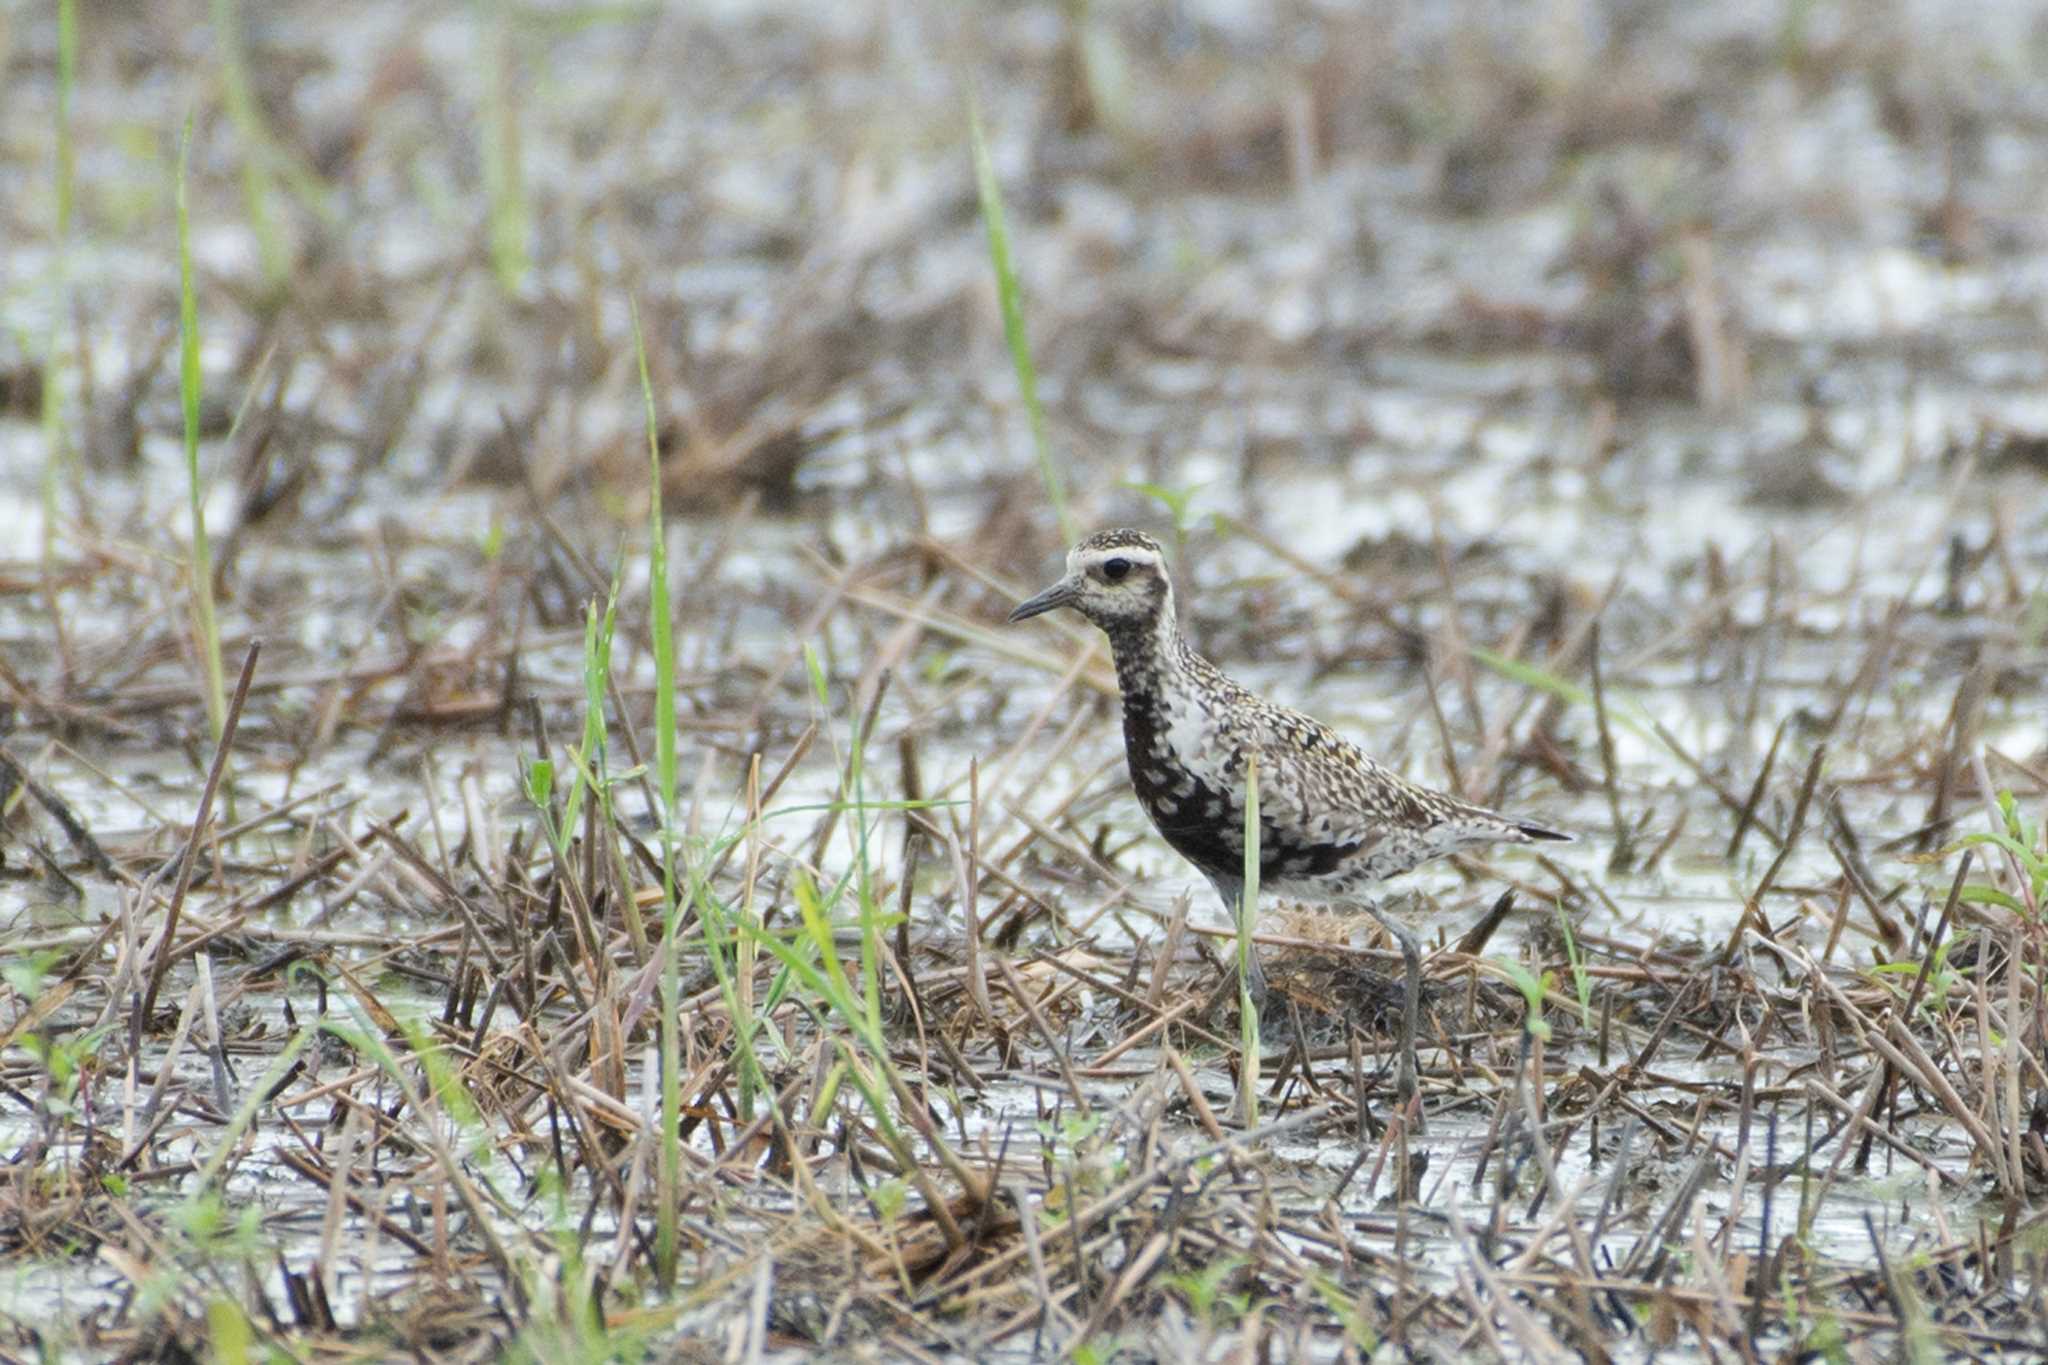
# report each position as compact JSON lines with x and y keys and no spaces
{"x":1332,"y":821}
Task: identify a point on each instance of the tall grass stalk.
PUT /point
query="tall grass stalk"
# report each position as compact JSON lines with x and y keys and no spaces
{"x":597,"y":674}
{"x":1247,"y":916}
{"x":597,"y":666}
{"x":1582,"y":980}
{"x":67,"y":85}
{"x":662,"y":629}
{"x":265,"y":160}
{"x":592,"y":779}
{"x":504,"y":173}
{"x":1011,"y":295}
{"x":854,"y":785}
{"x":720,"y":951}
{"x":53,"y":350}
{"x":206,"y":627}
{"x":746,"y":950}
{"x":256,"y":144}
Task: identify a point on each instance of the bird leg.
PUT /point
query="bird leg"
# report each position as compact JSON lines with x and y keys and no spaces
{"x":1232,"y":892}
{"x":1255,"y":981}
{"x":1411,"y":1007}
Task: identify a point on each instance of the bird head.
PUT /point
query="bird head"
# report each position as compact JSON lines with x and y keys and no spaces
{"x":1116,"y":579}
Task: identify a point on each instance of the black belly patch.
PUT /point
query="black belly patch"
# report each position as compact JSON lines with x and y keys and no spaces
{"x":1180,"y":805}
{"x":1217,"y":846}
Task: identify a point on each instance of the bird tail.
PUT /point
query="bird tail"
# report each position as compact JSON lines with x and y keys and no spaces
{"x":1536,"y":833}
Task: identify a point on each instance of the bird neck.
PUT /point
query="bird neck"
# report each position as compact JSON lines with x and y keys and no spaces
{"x":1151,"y":657}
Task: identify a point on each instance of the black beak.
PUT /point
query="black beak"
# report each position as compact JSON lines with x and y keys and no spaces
{"x":1060,"y":594}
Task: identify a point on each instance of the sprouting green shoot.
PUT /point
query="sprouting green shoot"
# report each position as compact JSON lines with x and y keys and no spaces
{"x":1011,"y":296}
{"x":1202,"y":1290}
{"x":1533,"y":988}
{"x":1582,"y":981}
{"x":2022,"y":844}
{"x":206,"y":628}
{"x":590,"y":775}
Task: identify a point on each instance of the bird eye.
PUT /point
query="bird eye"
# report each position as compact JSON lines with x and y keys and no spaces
{"x":1115,"y":569}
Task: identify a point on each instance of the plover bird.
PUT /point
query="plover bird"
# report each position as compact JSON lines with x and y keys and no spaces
{"x":1333,"y":822}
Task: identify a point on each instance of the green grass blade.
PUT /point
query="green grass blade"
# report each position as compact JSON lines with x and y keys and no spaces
{"x":1623,"y":711}
{"x":67,"y":83}
{"x":870,"y":913}
{"x":662,"y":628}
{"x":1582,"y":981}
{"x":591,"y":771}
{"x":504,"y":172}
{"x":257,"y":145}
{"x":206,"y":626}
{"x":1529,"y":675}
{"x":1011,"y":295}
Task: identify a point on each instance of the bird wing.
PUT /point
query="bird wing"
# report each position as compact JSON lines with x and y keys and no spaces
{"x":1314,"y":781}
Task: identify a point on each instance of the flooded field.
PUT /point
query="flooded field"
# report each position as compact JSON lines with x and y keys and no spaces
{"x":440,"y":919}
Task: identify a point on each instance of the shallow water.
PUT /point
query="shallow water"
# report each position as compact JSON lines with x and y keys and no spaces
{"x":1399,"y":414}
